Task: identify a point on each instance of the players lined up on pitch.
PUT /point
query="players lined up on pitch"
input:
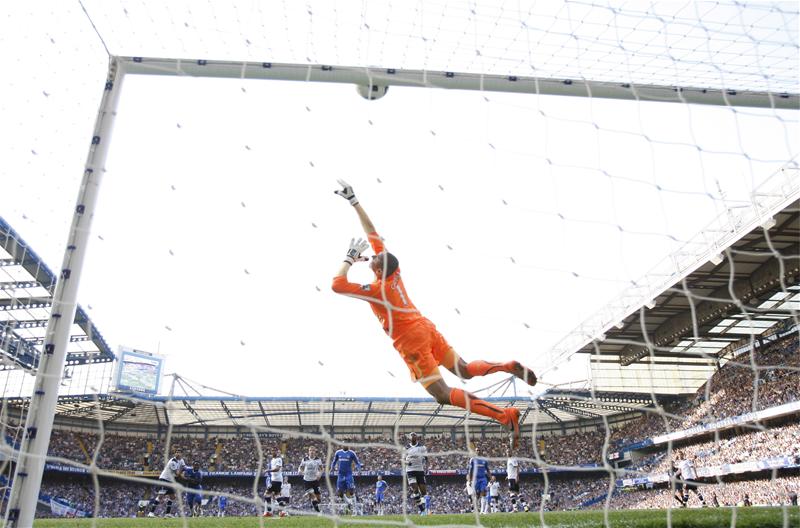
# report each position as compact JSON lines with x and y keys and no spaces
{"x":345,"y":461}
{"x":119,"y":498}
{"x":481,"y":485}
{"x":415,"y":337}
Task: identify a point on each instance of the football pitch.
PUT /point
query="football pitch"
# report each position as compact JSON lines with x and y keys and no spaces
{"x":755,"y":517}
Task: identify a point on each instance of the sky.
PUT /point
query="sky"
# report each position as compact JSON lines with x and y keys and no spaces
{"x":515,"y":217}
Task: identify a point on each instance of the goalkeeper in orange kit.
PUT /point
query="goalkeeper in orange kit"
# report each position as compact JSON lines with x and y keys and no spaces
{"x":421,"y":346}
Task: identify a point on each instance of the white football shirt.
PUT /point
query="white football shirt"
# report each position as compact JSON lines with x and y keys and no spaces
{"x":173,"y":467}
{"x":276,"y":465}
{"x":311,"y":468}
{"x":494,"y":489}
{"x":688,"y":471}
{"x":512,"y":468}
{"x":415,"y":457}
{"x":286,"y":489}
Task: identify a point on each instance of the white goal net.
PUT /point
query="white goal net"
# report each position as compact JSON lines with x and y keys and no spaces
{"x":607,"y":194}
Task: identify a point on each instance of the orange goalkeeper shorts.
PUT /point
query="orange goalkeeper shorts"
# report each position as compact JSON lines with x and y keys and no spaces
{"x":423,"y":349}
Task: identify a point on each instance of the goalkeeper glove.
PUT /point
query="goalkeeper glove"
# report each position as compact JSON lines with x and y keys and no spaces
{"x":347,"y":193}
{"x":356,"y":248}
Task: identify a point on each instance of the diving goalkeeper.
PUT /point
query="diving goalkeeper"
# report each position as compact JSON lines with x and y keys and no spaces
{"x":420,"y":345}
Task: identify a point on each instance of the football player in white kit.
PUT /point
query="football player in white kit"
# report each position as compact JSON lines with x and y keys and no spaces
{"x":494,"y":494}
{"x":273,"y":492}
{"x":172,"y":471}
{"x":311,"y":468}
{"x":688,"y":472}
{"x":512,"y":474}
{"x":416,"y":465}
{"x":285,"y":496}
{"x":469,"y":489}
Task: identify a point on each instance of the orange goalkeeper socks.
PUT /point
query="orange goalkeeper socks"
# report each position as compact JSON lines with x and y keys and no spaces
{"x":465,"y":400}
{"x":482,"y":368}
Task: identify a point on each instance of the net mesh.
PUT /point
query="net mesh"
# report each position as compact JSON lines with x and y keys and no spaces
{"x":516,"y":218}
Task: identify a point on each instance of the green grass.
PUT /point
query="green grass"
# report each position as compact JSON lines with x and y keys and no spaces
{"x":692,"y":518}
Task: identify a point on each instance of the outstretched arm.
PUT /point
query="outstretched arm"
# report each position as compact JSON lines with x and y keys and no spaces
{"x":366,"y":223}
{"x":348,"y":194}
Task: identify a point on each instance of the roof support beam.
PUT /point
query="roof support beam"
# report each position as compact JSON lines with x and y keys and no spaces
{"x":120,"y":413}
{"x":189,"y":408}
{"x":264,"y":414}
{"x":433,"y":415}
{"x":227,"y":411}
{"x":525,"y":414}
{"x":544,"y":408}
{"x":166,"y":414}
{"x":366,"y":416}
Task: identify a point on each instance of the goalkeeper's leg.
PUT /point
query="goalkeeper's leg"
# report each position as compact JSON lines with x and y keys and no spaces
{"x":508,"y":417}
{"x":465,"y":370}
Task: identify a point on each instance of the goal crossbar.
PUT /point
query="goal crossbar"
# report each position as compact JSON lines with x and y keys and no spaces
{"x":459,"y":81}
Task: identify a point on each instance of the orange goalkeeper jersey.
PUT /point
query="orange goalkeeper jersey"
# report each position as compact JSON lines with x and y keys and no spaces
{"x":388,"y":298}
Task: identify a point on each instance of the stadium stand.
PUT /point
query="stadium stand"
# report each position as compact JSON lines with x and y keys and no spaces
{"x":766,"y":451}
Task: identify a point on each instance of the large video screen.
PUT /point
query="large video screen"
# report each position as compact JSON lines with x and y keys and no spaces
{"x":138,"y":371}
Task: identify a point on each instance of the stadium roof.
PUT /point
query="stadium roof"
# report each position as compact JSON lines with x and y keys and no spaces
{"x":748,"y":292}
{"x":27,"y":286}
{"x":554,"y":409}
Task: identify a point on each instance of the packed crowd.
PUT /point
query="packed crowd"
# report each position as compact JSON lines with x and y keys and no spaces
{"x":117,"y":498}
{"x":124,"y":452}
{"x":730,"y":447}
{"x":240,"y":453}
{"x":762,"y":492}
{"x":750,"y":445}
{"x":750,"y":382}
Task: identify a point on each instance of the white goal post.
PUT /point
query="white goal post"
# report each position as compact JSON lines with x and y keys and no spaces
{"x":33,"y":451}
